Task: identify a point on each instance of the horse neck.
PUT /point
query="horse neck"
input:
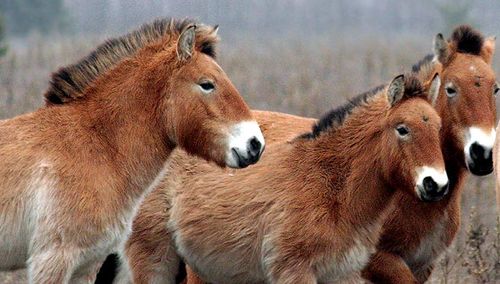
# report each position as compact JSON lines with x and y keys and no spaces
{"x":126,"y":118}
{"x":455,"y":168}
{"x":428,"y":69}
{"x":452,"y":151}
{"x":350,"y":164}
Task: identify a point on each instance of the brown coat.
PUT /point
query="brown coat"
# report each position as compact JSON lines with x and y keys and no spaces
{"x":310,"y":210}
{"x":417,"y":233}
{"x":73,"y":174}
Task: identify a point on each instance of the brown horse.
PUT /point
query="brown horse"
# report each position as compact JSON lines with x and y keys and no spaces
{"x":311,"y":210}
{"x":73,"y":174}
{"x":415,"y":234}
{"x":408,"y":249}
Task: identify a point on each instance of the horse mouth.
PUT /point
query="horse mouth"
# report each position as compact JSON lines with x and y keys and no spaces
{"x":480,"y":164}
{"x":480,"y":169}
{"x":241,"y":162}
{"x":424,"y":196}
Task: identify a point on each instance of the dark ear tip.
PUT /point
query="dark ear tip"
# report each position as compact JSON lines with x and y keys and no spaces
{"x":400,"y":76}
{"x":440,"y":36}
{"x":190,"y":27}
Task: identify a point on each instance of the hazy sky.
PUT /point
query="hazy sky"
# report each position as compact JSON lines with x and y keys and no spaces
{"x":290,"y":17}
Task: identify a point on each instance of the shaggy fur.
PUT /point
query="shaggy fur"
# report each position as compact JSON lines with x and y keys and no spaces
{"x":72,"y":176}
{"x":336,"y":117}
{"x":408,"y":249}
{"x":310,"y":211}
{"x":425,"y":68}
{"x":69,"y":83}
{"x":433,"y":226}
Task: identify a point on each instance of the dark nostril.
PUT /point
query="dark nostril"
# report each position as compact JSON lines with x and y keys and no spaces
{"x":430,"y":185}
{"x":254,"y":150}
{"x":242,"y":161}
{"x":477,"y":152}
{"x":255,"y":145}
{"x":480,"y":159}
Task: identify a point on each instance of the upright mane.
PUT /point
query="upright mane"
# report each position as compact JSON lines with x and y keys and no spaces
{"x":467,"y":40}
{"x":336,"y":117}
{"x":69,"y":82}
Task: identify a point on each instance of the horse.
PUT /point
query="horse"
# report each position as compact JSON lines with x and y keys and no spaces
{"x":73,"y":173}
{"x":416,"y":233}
{"x":310,"y":211}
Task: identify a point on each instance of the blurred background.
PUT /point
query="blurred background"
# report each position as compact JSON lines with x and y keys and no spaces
{"x":297,"y":56}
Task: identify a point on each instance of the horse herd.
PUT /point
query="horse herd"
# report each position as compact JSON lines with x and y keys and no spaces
{"x":128,"y":156}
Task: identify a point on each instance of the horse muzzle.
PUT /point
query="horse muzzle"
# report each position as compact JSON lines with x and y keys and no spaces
{"x":479,"y":151}
{"x":246,"y":145}
{"x":432,"y":184}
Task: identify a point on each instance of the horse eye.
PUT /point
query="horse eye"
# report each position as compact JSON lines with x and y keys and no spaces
{"x":207,"y":86}
{"x":495,"y":91}
{"x":402,"y":130}
{"x":450,"y":92}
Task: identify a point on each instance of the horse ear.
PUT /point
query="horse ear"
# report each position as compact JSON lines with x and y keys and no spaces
{"x":441,"y":49}
{"x":185,"y":45}
{"x":396,"y":90}
{"x":488,"y":49}
{"x":433,"y":92}
{"x":215,"y":30}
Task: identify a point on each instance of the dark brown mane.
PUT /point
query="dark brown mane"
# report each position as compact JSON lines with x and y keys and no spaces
{"x":425,"y":68}
{"x":69,"y":82}
{"x":337,"y":116}
{"x":467,"y":40}
{"x":413,"y":87}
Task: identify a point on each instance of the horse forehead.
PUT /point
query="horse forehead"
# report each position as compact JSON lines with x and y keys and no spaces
{"x":427,"y":115}
{"x":209,"y":64}
{"x":427,"y":110}
{"x":469,"y":68}
{"x":420,"y":111}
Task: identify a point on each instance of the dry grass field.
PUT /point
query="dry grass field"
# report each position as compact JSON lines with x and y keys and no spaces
{"x":293,"y":75}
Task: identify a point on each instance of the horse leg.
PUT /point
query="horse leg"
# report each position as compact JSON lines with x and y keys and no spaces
{"x":355,"y":278}
{"x":424,"y":275}
{"x":151,"y":265}
{"x":388,"y":268}
{"x":294,"y":275}
{"x":192,"y":277}
{"x":87,"y":274}
{"x":52,"y":265}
